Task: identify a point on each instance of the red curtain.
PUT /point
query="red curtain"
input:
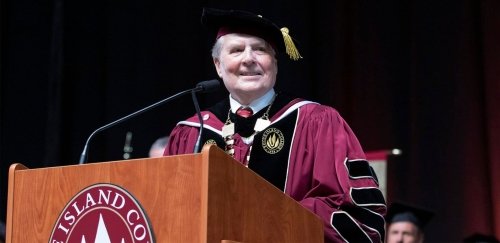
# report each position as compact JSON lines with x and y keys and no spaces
{"x":491,"y":52}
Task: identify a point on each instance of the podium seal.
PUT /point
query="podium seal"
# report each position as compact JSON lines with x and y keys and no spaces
{"x":102,"y":213}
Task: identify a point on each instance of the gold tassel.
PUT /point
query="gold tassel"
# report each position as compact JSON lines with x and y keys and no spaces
{"x":291,"y":50}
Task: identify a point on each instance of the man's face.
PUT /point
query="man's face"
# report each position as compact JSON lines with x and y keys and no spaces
{"x":247,"y":65}
{"x":404,"y":232}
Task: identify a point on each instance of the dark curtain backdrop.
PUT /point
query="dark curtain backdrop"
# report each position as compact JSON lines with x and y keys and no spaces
{"x":422,"y":76}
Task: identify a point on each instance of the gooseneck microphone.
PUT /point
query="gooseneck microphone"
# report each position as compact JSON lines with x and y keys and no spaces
{"x":202,"y":87}
{"x":208,"y":86}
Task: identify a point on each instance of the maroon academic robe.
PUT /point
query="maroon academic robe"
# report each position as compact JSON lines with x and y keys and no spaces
{"x":316,"y":159}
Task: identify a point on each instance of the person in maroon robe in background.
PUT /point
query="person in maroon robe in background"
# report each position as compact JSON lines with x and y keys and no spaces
{"x":303,"y":148}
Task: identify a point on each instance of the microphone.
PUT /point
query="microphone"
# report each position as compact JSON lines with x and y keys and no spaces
{"x":202,"y":87}
{"x":207,"y":86}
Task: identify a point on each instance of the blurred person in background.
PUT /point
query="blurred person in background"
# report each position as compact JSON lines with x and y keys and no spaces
{"x":405,"y":223}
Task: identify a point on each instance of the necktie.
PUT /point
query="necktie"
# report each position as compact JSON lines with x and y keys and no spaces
{"x":244,"y":112}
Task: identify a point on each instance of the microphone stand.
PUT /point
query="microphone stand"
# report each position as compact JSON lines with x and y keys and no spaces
{"x":83,"y":156}
{"x":198,"y":112}
{"x":205,"y":86}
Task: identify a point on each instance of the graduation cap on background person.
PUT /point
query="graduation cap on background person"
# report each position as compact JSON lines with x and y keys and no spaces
{"x":404,"y":212}
{"x":224,"y":22}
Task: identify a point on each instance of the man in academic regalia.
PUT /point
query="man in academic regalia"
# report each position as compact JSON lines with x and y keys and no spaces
{"x":303,"y":148}
{"x":405,"y":223}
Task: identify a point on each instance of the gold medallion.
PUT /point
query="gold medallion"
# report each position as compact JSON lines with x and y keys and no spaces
{"x":272,"y":140}
{"x":210,"y":141}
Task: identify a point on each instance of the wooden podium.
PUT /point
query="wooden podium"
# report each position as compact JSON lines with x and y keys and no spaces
{"x":205,"y":197}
